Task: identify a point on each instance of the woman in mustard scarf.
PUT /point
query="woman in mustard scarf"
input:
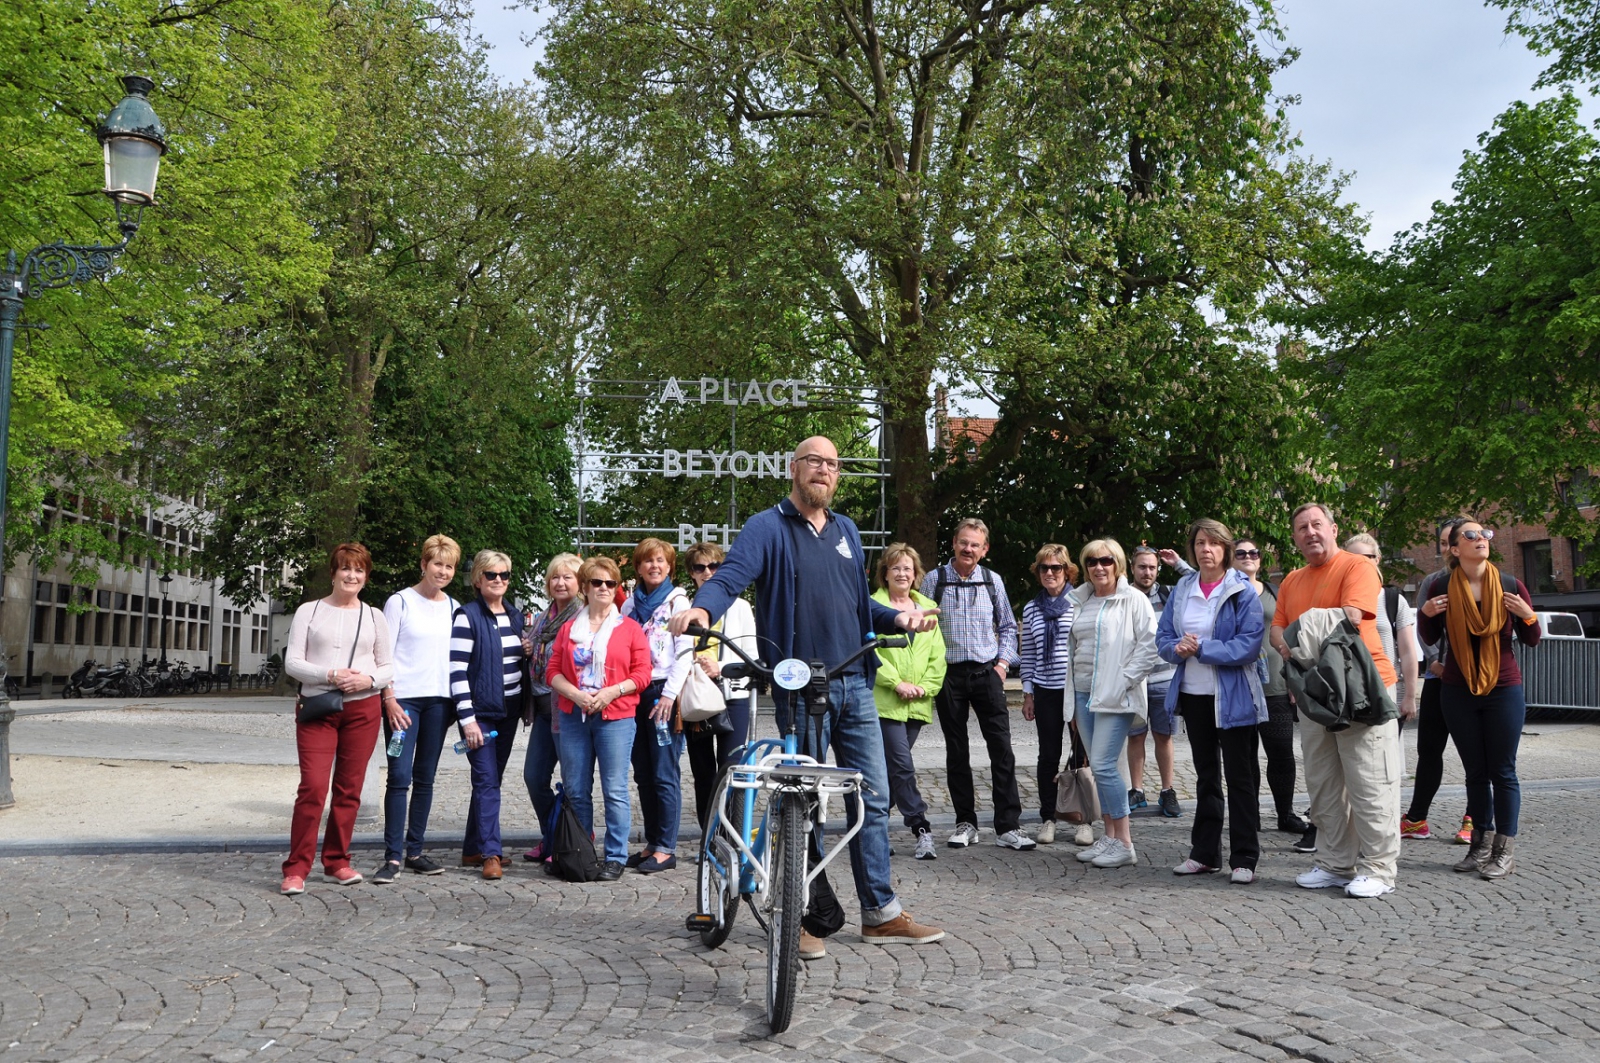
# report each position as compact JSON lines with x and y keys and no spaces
{"x":1481,"y":691}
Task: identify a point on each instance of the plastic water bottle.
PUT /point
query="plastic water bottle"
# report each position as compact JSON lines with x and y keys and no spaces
{"x":397,"y":742}
{"x":461,"y":746}
{"x":663,"y":733}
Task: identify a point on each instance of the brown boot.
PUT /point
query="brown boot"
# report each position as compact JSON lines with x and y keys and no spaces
{"x":1501,"y":859}
{"x":1478,"y":855}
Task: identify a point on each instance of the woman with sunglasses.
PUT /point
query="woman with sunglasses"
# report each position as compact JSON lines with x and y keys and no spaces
{"x":1277,"y":734}
{"x":486,"y":669}
{"x":658,"y":739}
{"x":1046,"y":636}
{"x":1481,"y":694}
{"x":598,"y":666}
{"x":1212,"y":629}
{"x":538,"y":638}
{"x":1113,"y":651}
{"x":711,"y":743}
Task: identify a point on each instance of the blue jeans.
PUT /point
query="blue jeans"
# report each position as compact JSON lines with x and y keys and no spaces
{"x":583,"y":740}
{"x":539,"y":766}
{"x":656,"y":770}
{"x":1487,"y":731}
{"x":852,"y":727}
{"x":1104,"y":735}
{"x":413,"y":770}
{"x":488,"y":763}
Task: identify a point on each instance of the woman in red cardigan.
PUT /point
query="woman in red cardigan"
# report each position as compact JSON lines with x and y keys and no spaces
{"x":600,"y":662}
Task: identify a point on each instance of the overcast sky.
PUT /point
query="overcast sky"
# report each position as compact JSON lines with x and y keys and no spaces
{"x":1391,"y":91}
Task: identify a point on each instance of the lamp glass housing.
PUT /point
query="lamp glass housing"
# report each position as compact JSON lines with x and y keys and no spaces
{"x":131,"y":166}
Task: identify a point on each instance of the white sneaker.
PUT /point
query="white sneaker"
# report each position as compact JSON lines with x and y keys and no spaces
{"x":965,"y":834}
{"x":1096,"y":849}
{"x":1047,"y":833}
{"x":1084,"y":835}
{"x":1242,"y":876}
{"x":1193,"y":867}
{"x":1014,"y":839}
{"x":1318,"y":879}
{"x":1366,"y":887}
{"x":925,"y":849}
{"x":1117,"y":854}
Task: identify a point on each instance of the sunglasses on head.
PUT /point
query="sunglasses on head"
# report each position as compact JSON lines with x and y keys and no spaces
{"x":1052,"y":568}
{"x":492,"y":576}
{"x":1247,"y":553}
{"x":603,"y":584}
{"x":1473,"y":534}
{"x":1099,"y":562}
{"x":705,"y":566}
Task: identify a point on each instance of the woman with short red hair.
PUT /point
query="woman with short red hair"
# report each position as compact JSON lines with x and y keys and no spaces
{"x":335,"y":643}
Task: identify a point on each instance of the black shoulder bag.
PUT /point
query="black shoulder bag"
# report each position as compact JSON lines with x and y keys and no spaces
{"x":320,"y":706}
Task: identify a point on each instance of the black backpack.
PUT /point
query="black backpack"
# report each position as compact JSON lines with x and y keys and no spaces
{"x":572,"y":855}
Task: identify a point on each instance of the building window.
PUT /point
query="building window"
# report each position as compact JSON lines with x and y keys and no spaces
{"x":1538,"y":568}
{"x":117,"y":628}
{"x":100,"y":628}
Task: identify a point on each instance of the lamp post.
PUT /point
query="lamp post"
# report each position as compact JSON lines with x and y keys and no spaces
{"x":166,"y":622}
{"x":133,"y":140}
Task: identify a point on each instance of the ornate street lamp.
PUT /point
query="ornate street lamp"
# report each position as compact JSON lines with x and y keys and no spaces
{"x":166,"y":585}
{"x":134,"y":140}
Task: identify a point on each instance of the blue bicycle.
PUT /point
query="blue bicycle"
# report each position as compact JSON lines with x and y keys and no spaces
{"x":765,"y":807}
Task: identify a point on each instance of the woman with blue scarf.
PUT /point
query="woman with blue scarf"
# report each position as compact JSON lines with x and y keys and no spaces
{"x":1045,"y":639}
{"x":1212,"y":629}
{"x":658,"y":740}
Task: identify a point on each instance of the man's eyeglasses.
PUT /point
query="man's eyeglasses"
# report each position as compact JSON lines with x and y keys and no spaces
{"x":705,"y":566}
{"x":1473,"y":534}
{"x":816,"y":461}
{"x":1245,"y":555}
{"x":1100,"y":562}
{"x":491,"y":577}
{"x":1052,"y":568}
{"x":603,"y":584}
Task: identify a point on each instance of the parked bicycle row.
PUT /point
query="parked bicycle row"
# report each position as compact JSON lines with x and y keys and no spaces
{"x":150,"y":678}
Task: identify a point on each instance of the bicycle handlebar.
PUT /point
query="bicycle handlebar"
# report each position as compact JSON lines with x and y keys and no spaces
{"x":705,"y":635}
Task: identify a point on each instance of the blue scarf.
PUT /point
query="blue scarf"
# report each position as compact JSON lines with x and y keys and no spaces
{"x":645,"y":605}
{"x":1052,"y":609}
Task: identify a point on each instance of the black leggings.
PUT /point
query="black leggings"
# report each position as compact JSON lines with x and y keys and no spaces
{"x":1277,"y":738}
{"x":1432,"y":736}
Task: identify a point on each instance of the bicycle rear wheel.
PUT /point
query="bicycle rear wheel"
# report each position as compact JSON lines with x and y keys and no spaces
{"x":787,"y":889}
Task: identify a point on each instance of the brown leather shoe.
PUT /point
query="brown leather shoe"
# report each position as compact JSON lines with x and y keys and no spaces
{"x":811,"y":948}
{"x":491,"y":867}
{"x":901,"y":930}
{"x":475,"y":860}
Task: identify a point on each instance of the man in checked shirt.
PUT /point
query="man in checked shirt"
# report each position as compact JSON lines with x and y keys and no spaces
{"x":980,"y":637}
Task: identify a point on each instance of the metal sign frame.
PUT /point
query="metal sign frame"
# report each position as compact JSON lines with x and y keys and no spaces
{"x":596,"y":465}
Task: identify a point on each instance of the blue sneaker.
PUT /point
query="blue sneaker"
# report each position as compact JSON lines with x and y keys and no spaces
{"x":1136,"y":800}
{"x":1169,"y":804}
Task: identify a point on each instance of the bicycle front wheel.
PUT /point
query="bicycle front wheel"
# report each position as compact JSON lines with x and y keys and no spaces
{"x":788,"y":891}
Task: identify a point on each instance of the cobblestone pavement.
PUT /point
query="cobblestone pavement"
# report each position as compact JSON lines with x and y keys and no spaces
{"x":194,"y":957}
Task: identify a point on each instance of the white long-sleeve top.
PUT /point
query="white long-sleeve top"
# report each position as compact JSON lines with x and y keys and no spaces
{"x":669,"y":656}
{"x":320,"y":639}
{"x":421,"y":648}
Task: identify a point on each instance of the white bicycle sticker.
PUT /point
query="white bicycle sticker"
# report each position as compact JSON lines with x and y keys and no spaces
{"x":791,"y":673}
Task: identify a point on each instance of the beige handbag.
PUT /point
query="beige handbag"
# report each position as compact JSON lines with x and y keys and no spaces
{"x":1077,"y":797}
{"x":701,"y":697}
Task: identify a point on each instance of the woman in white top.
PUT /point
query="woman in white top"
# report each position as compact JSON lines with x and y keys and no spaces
{"x":713,"y":742}
{"x":658,"y":741}
{"x":417,"y":707}
{"x":1113,"y":652}
{"x":335,"y":643}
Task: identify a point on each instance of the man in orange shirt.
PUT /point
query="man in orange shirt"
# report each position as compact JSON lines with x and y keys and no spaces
{"x":1353,"y":775}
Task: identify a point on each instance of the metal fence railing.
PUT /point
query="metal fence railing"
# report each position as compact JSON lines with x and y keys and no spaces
{"x":1561,"y":673}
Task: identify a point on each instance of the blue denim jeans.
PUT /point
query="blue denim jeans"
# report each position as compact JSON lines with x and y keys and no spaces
{"x":1487,"y":731}
{"x":656,"y":770}
{"x":583,"y":740}
{"x":488,"y":763}
{"x":1104,"y":735}
{"x":413,"y":770}
{"x":539,"y":766}
{"x":852,"y":728}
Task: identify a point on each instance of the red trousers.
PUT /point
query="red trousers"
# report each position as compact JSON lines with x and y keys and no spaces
{"x":340,"y":745}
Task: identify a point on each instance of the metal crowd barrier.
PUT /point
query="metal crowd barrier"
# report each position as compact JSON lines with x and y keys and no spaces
{"x":1561,"y":673}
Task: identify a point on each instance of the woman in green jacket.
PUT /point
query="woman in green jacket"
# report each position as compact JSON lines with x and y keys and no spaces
{"x":908,"y":679}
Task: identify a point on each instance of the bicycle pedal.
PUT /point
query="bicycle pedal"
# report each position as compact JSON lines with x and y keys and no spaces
{"x":699,"y":922}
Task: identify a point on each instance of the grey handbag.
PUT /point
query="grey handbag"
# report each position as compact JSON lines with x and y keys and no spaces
{"x":321,"y":706}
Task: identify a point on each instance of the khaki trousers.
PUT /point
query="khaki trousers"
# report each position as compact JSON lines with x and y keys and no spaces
{"x":1353,"y":777}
